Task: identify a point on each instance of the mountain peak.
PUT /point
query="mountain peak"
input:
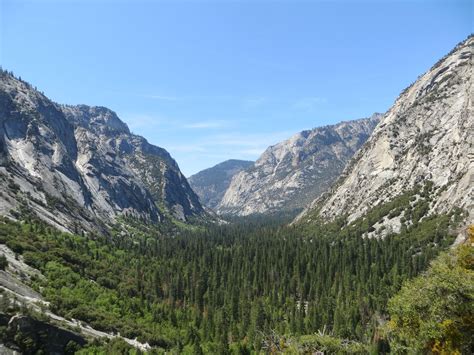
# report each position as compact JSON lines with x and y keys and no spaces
{"x":80,"y":165}
{"x":210,"y":184}
{"x":96,"y":117}
{"x":290,"y":174}
{"x":425,"y":137}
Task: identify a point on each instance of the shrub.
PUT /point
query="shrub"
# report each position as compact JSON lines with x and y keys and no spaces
{"x":434,"y":313}
{"x":3,"y":262}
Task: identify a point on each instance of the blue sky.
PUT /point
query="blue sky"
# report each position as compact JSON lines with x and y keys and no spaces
{"x":213,"y":80}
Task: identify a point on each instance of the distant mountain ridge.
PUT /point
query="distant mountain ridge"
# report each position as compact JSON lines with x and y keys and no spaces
{"x":291,"y":174}
{"x":210,"y":184}
{"x":81,"y":165}
{"x":425,"y":139}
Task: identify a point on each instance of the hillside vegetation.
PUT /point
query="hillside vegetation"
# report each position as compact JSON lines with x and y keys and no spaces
{"x":236,"y":288}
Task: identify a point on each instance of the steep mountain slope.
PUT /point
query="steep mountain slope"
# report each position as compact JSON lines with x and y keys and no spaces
{"x":290,"y":174}
{"x":15,"y":279}
{"x":210,"y":184}
{"x":425,"y":138}
{"x":80,"y":165}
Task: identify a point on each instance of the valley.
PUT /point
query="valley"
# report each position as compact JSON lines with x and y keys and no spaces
{"x":349,"y":238}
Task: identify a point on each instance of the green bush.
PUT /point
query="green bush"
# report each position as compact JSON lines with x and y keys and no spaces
{"x":435,"y":312}
{"x":329,"y":344}
{"x":3,"y":262}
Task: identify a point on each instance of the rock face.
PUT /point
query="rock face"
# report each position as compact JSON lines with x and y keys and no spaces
{"x":211,"y":184}
{"x":40,"y":336}
{"x":81,"y":165}
{"x":427,"y":135}
{"x":291,"y":174}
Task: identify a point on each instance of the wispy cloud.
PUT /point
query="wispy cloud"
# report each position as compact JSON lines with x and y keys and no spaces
{"x":253,"y":102}
{"x":141,"y":121}
{"x":138,"y":121}
{"x":162,"y":97}
{"x":188,"y":148}
{"x":309,"y":103}
{"x":207,"y":124}
{"x":213,"y":140}
{"x":247,"y":103}
{"x":190,"y":97}
{"x":252,"y":152}
{"x":253,"y":140}
{"x":249,"y":146}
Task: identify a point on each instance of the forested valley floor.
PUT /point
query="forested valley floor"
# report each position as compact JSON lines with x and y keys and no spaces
{"x":256,"y":286}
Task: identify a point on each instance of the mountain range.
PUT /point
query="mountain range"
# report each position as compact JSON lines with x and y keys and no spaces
{"x":381,"y":197}
{"x":81,"y":165}
{"x":211,"y":184}
{"x":426,"y":138}
{"x":292,"y":173}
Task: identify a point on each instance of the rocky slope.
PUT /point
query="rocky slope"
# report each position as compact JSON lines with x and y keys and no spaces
{"x":427,"y":136}
{"x":80,"y":165}
{"x":290,"y":174}
{"x":15,"y":291}
{"x":211,"y":184}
